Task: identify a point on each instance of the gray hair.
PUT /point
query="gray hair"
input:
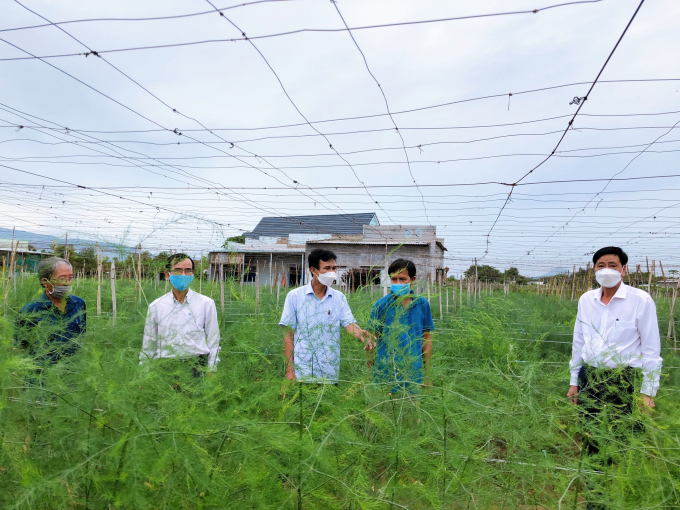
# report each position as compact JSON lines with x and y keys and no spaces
{"x":48,"y":266}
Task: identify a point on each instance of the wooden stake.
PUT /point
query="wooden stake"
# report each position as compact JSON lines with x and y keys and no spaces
{"x":200,"y":276}
{"x":257,"y":287}
{"x":221,"y":279}
{"x":11,"y":266}
{"x":271,"y":275}
{"x":649,"y":284}
{"x":476,"y":281}
{"x":278,"y":283}
{"x":99,"y":281}
{"x":441,"y":308}
{"x":113,"y":291}
{"x":663,"y":274}
{"x":671,"y":320}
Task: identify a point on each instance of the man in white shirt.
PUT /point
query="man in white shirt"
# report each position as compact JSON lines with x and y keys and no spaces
{"x":182,"y":324}
{"x":616,"y":326}
{"x":312,"y":316}
{"x":616,"y":350}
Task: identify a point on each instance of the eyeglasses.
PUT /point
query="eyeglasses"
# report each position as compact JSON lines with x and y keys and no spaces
{"x":68,"y":280}
{"x":178,"y":272}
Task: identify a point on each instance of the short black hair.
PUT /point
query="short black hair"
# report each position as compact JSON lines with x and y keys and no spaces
{"x":399,"y":265}
{"x":178,"y":257}
{"x":611,"y":250}
{"x":319,"y":254}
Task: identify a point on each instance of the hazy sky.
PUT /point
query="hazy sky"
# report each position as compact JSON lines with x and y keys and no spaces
{"x":190,"y":191}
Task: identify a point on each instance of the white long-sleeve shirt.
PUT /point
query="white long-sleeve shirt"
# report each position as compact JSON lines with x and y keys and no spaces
{"x":623,"y":333}
{"x":181,"y":330}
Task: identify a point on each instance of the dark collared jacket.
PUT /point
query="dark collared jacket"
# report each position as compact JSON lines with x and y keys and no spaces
{"x":48,"y":333}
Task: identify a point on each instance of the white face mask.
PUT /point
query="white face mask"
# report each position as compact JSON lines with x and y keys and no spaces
{"x":327,"y":279}
{"x":608,"y":277}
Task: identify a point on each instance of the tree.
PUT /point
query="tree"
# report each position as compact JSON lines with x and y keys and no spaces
{"x":235,"y":239}
{"x":485,"y":272}
{"x":512,"y":275}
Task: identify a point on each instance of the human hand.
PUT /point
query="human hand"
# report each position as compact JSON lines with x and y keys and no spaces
{"x":647,"y":402}
{"x":368,"y":339}
{"x":572,"y":394}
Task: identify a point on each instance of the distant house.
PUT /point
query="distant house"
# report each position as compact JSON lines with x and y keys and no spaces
{"x":25,"y":259}
{"x":278,"y":247}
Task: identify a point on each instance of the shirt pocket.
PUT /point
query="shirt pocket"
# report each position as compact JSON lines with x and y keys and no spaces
{"x":624,"y":329}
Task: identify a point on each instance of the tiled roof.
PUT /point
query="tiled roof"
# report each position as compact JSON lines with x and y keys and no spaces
{"x":314,"y":224}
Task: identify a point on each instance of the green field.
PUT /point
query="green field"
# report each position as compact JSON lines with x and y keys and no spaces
{"x":493,"y":431}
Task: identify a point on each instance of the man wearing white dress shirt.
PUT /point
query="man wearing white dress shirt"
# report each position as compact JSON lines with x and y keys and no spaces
{"x":182,"y":324}
{"x":615,"y":353}
{"x":616,"y":326}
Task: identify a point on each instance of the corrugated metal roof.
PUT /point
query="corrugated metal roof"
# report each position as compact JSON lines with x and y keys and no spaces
{"x":388,"y":242}
{"x":313,"y":224}
{"x":260,"y":248}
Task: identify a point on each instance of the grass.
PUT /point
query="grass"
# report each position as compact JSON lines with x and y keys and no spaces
{"x":493,"y":431}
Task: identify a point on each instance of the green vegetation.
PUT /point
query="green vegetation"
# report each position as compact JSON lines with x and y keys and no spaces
{"x":488,"y":273}
{"x":493,"y":431}
{"x":235,"y":239}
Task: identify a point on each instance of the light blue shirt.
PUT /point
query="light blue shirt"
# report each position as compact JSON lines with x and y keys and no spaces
{"x":316,"y":322}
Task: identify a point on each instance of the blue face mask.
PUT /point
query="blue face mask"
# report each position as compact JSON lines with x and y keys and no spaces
{"x":400,"y":289}
{"x":181,"y":281}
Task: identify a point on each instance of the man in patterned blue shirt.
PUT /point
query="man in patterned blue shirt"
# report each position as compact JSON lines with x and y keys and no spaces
{"x":48,"y":326}
{"x":403,"y":324}
{"x":311,"y":318}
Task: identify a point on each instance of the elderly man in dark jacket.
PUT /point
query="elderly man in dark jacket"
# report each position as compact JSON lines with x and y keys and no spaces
{"x":48,"y":326}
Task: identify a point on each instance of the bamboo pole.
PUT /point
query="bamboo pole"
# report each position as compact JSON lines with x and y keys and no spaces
{"x":649,"y":284}
{"x":387,"y":276}
{"x":278,"y":283}
{"x":663,"y":274}
{"x":99,"y":281}
{"x":441,"y":308}
{"x":221,"y":280}
{"x":671,"y":320}
{"x":476,"y":280}
{"x":200,"y":276}
{"x":257,"y":287}
{"x":11,"y":266}
{"x":113,"y":292}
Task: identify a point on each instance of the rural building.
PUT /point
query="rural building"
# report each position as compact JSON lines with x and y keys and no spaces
{"x":277,"y":250}
{"x":25,"y":258}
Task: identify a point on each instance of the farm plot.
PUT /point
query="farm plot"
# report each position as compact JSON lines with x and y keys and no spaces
{"x":492,"y":429}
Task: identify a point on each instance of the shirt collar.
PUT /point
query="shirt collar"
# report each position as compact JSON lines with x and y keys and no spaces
{"x":310,"y":290}
{"x":187,"y":299}
{"x":45,"y":301}
{"x":620,"y":293}
{"x":411,"y":294}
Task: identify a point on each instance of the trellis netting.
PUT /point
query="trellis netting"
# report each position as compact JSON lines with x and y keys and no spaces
{"x":488,"y":427}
